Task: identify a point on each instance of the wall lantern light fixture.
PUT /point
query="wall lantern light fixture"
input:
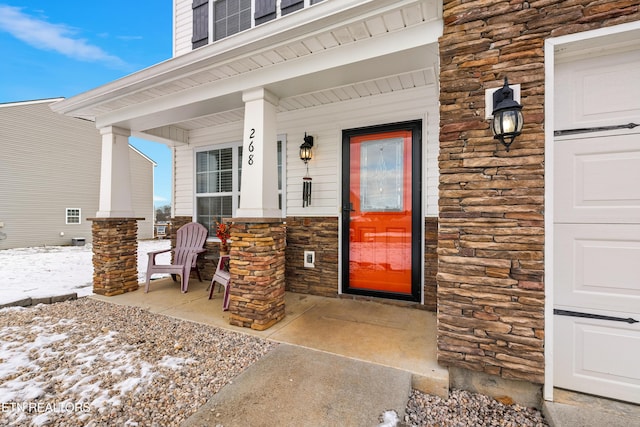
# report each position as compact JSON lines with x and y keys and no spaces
{"x":305,"y":149}
{"x":305,"y":156}
{"x":507,"y":116}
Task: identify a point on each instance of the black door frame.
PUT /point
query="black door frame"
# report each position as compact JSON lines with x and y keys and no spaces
{"x":417,"y":265}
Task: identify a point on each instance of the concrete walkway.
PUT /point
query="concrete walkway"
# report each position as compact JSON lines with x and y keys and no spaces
{"x":381,"y":334}
{"x":571,"y":409}
{"x":295,"y":386}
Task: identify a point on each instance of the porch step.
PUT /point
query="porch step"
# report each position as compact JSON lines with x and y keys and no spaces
{"x":294,"y":385}
{"x":436,"y":384}
{"x":395,"y":337}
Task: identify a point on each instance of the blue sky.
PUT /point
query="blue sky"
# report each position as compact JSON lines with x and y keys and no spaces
{"x":61,"y":48}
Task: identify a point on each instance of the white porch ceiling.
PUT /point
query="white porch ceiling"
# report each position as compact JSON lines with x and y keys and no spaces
{"x":409,"y":80}
{"x":332,"y":52}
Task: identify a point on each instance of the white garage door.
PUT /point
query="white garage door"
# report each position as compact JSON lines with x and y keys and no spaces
{"x":597,"y":226}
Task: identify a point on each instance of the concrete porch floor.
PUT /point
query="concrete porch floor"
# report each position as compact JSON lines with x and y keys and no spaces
{"x":396,"y":337}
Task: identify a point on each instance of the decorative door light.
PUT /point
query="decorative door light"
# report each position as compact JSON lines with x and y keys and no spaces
{"x":507,"y":116}
{"x":305,"y":149}
{"x":306,"y":155}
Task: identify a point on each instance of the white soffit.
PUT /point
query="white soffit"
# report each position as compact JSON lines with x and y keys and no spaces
{"x":195,"y":92}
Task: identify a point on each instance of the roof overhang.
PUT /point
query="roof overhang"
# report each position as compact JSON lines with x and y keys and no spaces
{"x":335,"y":44}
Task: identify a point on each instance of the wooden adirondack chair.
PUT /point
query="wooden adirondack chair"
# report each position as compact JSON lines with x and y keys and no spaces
{"x":222,"y":277}
{"x":189,"y":243}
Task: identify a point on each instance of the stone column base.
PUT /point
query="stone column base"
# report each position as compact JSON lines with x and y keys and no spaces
{"x":115,"y":255}
{"x":257,"y":268}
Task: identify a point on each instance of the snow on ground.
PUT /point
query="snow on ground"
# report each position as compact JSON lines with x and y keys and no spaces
{"x":47,"y":271}
{"x":25,"y":355}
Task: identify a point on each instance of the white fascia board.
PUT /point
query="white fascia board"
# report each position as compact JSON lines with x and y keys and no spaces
{"x":141,"y":154}
{"x":226,"y":93}
{"x":318,"y":18}
{"x":30,"y":102}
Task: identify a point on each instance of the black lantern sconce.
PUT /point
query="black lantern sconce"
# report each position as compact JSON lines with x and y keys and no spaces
{"x":305,"y":156}
{"x":507,"y":116}
{"x":305,"y":149}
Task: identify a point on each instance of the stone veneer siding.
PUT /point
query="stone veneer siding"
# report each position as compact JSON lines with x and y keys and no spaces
{"x":257,"y":268}
{"x":430,"y":263}
{"x":115,"y":255}
{"x":319,"y":234}
{"x":491,"y":237}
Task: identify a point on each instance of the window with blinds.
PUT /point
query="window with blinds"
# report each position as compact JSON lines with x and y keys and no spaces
{"x":218,"y":181}
{"x":214,"y":185}
{"x":232,"y":16}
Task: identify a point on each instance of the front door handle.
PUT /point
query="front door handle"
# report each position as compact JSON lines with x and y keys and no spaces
{"x":349,"y":208}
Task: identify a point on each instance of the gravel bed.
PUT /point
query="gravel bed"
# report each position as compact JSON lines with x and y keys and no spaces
{"x":91,"y":363}
{"x":463,"y":409}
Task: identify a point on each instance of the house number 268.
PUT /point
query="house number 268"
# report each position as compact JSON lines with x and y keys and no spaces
{"x":252,"y":135}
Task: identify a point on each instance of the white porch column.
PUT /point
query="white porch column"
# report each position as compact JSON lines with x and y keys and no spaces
{"x":259,"y":190}
{"x":115,"y":174}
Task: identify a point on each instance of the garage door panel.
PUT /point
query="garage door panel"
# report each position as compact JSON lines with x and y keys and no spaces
{"x":583,"y":100}
{"x":598,"y":179}
{"x":601,"y":356}
{"x":601,"y":266}
{"x":609,"y":353}
{"x":596,"y":211}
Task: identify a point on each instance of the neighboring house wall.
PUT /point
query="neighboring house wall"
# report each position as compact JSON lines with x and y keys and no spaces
{"x":142,"y":177}
{"x":48,"y":163}
{"x":491,"y":247}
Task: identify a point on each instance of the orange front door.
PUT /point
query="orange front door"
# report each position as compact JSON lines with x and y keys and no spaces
{"x":378,"y":211}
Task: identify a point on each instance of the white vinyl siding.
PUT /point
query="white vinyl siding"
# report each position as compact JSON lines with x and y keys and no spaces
{"x":325,"y":124}
{"x":45,"y":168}
{"x":183,"y":27}
{"x":50,"y":162}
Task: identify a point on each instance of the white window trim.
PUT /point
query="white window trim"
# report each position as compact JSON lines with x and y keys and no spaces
{"x":235,"y":192}
{"x":234,"y":181}
{"x":67,"y":216}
